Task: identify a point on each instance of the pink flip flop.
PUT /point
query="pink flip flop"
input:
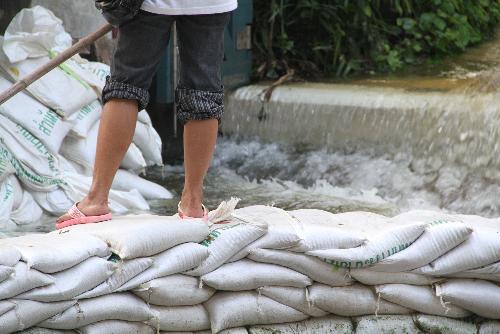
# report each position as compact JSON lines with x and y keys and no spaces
{"x":78,"y":218}
{"x":182,"y":215}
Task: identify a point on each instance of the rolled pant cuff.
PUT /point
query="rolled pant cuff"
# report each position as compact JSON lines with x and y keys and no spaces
{"x":120,"y":90}
{"x":195,"y":104}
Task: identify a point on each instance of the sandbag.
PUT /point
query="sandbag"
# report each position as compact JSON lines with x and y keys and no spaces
{"x":148,"y":140}
{"x":174,"y":290}
{"x":478,"y":296}
{"x":283,"y":230}
{"x":54,"y":202}
{"x":28,"y":210}
{"x":6,"y":202}
{"x":386,"y":242}
{"x":117,"y":306}
{"x":82,"y":121}
{"x":324,"y":230}
{"x":5,"y":272}
{"x":36,"y":167}
{"x":294,"y":297}
{"x":355,"y":300}
{"x":23,"y":279}
{"x":236,"y":309}
{"x":370,"y":277}
{"x":443,"y":325}
{"x":488,"y":273}
{"x":225,"y":240}
{"x":125,"y":271}
{"x":317,"y":270}
{"x":180,"y":318}
{"x":488,"y":327}
{"x":386,"y":324}
{"x":117,"y":327}
{"x":6,"y":306}
{"x":9,"y":256}
{"x":38,"y":330}
{"x":41,"y":121}
{"x":100,"y":70}
{"x":28,"y":313}
{"x":73,"y":281}
{"x":440,"y":236}
{"x":143,"y":235}
{"x":125,"y":180}
{"x":480,"y":249}
{"x":172,"y":261}
{"x":249,"y":275}
{"x":325,"y":325}
{"x":419,"y":298}
{"x":57,"y":251}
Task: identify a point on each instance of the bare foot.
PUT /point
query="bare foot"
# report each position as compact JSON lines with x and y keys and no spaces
{"x":191,"y":205}
{"x":88,"y":208}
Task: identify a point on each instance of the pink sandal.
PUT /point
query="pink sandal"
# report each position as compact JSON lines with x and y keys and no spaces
{"x":78,"y":218}
{"x":182,"y":215}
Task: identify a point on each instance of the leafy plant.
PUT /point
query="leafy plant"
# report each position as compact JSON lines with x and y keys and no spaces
{"x":342,"y":37}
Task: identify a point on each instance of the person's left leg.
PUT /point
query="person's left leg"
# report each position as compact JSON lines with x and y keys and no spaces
{"x":200,"y":99}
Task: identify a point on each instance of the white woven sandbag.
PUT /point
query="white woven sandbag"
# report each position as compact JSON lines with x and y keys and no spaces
{"x":478,"y":296}
{"x":180,"y":318}
{"x":236,"y":309}
{"x":9,"y":256}
{"x":386,"y":324}
{"x":174,"y":290}
{"x":117,"y":327}
{"x":41,"y":121}
{"x":480,"y":249}
{"x":125,"y":180}
{"x":100,"y":70}
{"x":225,"y":240}
{"x":370,"y":277}
{"x":117,"y":306}
{"x":39,"y":330}
{"x":6,"y":306}
{"x":489,"y":273}
{"x":384,"y":243}
{"x":440,"y":236}
{"x":239,"y":330}
{"x":444,"y":325}
{"x":73,"y":281}
{"x":6,"y":169}
{"x":419,"y":298}
{"x":54,"y":202}
{"x":36,"y":167}
{"x":124,"y":272}
{"x":77,"y":186}
{"x":143,"y":235}
{"x":172,"y":261}
{"x":326,"y":325}
{"x":249,"y":275}
{"x":487,"y":327}
{"x":23,"y":279}
{"x":316,"y":269}
{"x":28,"y":210}
{"x":5,"y":272}
{"x":83,"y":120}
{"x":294,"y":297}
{"x":148,"y":140}
{"x":355,"y":300}
{"x":6,"y":202}
{"x":325,"y":230}
{"x":283,"y":230}
{"x":28,"y":313}
{"x":54,"y":252}
{"x":18,"y":192}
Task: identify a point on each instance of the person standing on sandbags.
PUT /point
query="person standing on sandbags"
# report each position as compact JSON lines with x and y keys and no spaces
{"x":144,"y":28}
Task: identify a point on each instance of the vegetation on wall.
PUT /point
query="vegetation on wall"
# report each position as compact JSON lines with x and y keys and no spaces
{"x":342,"y":37}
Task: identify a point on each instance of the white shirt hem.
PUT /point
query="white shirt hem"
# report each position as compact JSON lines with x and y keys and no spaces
{"x":190,"y":11}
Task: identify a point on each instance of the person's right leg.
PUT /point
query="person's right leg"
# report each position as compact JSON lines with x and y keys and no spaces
{"x":140,"y":45}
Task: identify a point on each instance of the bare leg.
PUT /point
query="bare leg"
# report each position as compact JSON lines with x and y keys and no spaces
{"x":199,"y":145}
{"x":116,"y":131}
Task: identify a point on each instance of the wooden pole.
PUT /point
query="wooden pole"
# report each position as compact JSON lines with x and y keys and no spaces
{"x":53,"y":63}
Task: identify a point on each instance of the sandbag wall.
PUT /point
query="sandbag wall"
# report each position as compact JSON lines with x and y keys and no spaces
{"x":48,"y":134}
{"x":265,"y":270}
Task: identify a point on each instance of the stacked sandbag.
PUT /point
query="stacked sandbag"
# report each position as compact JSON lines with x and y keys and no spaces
{"x":48,"y":134}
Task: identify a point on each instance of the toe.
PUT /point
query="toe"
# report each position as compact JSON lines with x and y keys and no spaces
{"x":63,"y":218}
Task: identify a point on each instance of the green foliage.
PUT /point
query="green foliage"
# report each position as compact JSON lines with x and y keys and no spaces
{"x":341,"y":37}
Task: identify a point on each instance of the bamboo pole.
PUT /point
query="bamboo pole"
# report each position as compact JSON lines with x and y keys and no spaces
{"x":53,"y":63}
